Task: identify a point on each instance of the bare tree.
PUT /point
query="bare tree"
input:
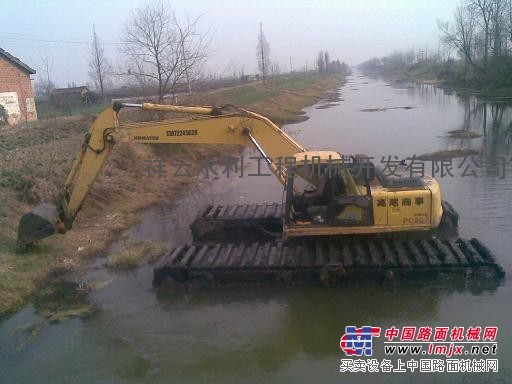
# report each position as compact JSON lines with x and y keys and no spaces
{"x":263,"y":54}
{"x":327,"y":60}
{"x":498,"y":22}
{"x":320,"y":62}
{"x":99,"y":67}
{"x":45,"y":84}
{"x":481,"y":12}
{"x":161,"y":49}
{"x":461,"y":35}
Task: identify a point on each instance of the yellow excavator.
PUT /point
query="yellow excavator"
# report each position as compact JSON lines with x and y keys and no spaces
{"x":327,"y":193}
{"x":341,"y":216}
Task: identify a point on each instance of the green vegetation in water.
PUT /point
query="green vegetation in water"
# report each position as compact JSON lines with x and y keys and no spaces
{"x":134,"y":254}
{"x":462,"y":134}
{"x":447,"y":154}
{"x":61,"y":300}
{"x":384,"y":109}
{"x":137,"y":367}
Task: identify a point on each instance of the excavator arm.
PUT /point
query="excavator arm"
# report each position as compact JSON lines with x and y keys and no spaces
{"x":228,"y":125}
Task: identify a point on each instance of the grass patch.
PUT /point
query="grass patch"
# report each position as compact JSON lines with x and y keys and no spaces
{"x":59,"y":301}
{"x":463,"y":134}
{"x":247,"y":94}
{"x":447,"y":154}
{"x":46,"y":110}
{"x":134,"y":254}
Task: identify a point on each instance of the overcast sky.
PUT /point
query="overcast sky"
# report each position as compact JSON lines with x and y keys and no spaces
{"x":351,"y":30}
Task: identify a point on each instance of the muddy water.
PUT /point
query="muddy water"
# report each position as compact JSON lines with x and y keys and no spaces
{"x":287,"y":334}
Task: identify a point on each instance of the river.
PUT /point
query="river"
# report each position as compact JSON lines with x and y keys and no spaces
{"x":289,"y":334}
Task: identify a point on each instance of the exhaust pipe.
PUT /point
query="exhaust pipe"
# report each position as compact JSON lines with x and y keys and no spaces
{"x":36,"y":225}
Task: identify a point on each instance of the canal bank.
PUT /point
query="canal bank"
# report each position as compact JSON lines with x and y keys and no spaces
{"x":38,"y":158}
{"x":283,"y":334}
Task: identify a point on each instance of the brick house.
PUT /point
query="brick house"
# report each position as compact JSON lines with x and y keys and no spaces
{"x":16,"y":95}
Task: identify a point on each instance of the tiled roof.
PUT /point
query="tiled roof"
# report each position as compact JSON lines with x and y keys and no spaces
{"x":17,"y":62}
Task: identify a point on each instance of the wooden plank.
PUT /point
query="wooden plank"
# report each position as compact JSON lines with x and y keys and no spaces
{"x":168,"y":259}
{"x":284,"y":256}
{"x":346,"y":255}
{"x":240,"y":213}
{"x":419,"y":259}
{"x":234,"y":211}
{"x":250,"y":211}
{"x":361,"y":258}
{"x":375,"y":254}
{"x":185,"y":259}
{"x":461,"y":258}
{"x":231,"y":213}
{"x":309,"y":255}
{"x":236,"y":256}
{"x":445,"y":253}
{"x":259,"y":212}
{"x":198,"y":258}
{"x":222,"y":259}
{"x":223,"y":211}
{"x":320,"y":256}
{"x":389,"y":256}
{"x":293,"y":256}
{"x":401,"y":253}
{"x":429,"y":253}
{"x":483,"y":251}
{"x":277,"y":211}
{"x":208,"y":209}
{"x":211,"y":255}
{"x":263,"y":262}
{"x":248,"y":255}
{"x":258,"y":256}
{"x":470,"y":253}
{"x":211,"y":212}
{"x":334,"y":255}
{"x":274,"y":256}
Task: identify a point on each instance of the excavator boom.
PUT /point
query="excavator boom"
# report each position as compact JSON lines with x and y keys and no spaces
{"x":228,"y":125}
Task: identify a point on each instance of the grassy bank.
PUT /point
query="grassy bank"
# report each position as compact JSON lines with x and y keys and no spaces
{"x":453,"y":77}
{"x":37,"y":158}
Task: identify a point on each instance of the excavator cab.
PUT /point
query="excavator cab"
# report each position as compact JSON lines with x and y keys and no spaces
{"x":326,"y":189}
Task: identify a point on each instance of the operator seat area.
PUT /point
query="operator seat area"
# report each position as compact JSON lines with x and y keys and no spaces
{"x":342,"y":198}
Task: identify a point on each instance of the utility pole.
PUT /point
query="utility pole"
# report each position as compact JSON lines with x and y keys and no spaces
{"x":291,"y":66}
{"x":262,"y":53}
{"x":98,"y":59}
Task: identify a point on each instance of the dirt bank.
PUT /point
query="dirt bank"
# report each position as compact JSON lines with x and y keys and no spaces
{"x":36,"y":160}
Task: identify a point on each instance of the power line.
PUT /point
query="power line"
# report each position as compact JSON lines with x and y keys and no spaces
{"x":50,"y":40}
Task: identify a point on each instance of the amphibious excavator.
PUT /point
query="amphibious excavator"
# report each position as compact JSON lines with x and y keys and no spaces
{"x":330,"y":200}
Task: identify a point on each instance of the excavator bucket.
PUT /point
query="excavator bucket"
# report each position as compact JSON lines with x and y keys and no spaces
{"x":37,"y":225}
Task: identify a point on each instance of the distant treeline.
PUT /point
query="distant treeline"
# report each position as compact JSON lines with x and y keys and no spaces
{"x":480,"y":35}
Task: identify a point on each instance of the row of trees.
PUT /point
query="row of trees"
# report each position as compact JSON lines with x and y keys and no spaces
{"x":410,"y":57}
{"x":481,"y":32}
{"x":158,"y":50}
{"x":480,"y":35}
{"x":325,"y":65}
{"x":161,"y":52}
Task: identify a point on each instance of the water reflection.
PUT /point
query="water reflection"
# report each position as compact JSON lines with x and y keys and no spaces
{"x":286,"y":334}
